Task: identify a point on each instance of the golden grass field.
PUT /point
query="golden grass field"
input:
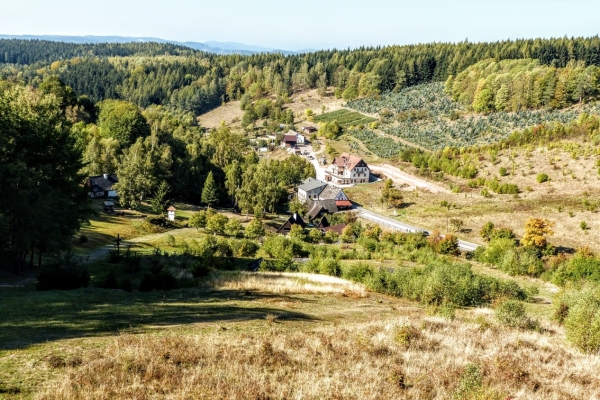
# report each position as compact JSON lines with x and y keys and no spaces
{"x":304,"y":337}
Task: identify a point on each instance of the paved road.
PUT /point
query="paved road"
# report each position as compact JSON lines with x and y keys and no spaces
{"x":404,"y":227}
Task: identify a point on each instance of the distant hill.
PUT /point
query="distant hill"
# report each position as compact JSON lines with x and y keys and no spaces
{"x":211,"y":46}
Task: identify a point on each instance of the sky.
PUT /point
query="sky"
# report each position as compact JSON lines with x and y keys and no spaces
{"x":305,"y":24}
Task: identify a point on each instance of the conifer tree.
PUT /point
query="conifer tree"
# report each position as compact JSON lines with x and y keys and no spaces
{"x":209,"y":191}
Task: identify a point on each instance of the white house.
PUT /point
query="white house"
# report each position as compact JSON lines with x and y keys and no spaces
{"x":310,"y":189}
{"x":347,"y":169}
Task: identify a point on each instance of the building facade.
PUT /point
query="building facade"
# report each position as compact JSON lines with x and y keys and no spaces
{"x":347,"y":169}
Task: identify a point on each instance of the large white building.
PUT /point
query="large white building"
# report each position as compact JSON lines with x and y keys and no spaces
{"x":347,"y":169}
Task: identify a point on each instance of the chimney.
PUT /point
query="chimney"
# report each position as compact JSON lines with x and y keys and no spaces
{"x":105,"y":176}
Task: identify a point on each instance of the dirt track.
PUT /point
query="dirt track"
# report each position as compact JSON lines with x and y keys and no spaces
{"x":400,"y":177}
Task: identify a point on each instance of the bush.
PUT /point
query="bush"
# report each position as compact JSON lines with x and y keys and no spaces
{"x":148,"y":282}
{"x":541,"y":178}
{"x":503,"y":171}
{"x":357,"y":273}
{"x":512,"y":313}
{"x":330,"y":266}
{"x":67,"y":277}
{"x":110,"y":282}
{"x":582,"y":321}
{"x":405,"y":335}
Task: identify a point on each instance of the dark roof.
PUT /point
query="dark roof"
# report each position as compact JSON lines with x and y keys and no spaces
{"x":336,"y":228}
{"x":323,"y":224}
{"x":294,"y":219}
{"x":290,"y":138}
{"x":310,"y":128}
{"x":101,"y":184}
{"x":328,"y":205}
{"x":315,"y":211}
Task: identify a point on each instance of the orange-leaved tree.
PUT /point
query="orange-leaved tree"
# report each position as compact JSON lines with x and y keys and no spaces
{"x":536,"y":230}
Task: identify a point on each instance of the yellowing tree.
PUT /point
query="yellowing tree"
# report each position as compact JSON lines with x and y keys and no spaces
{"x":536,"y":230}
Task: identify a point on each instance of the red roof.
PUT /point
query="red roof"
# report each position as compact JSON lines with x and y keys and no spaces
{"x":343,"y":203}
{"x":171,"y":209}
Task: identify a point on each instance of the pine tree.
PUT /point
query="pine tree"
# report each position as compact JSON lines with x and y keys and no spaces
{"x":209,"y":192}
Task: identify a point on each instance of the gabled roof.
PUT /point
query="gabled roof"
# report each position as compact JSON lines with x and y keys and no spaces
{"x":311,"y":184}
{"x":323,"y":224}
{"x":290,"y":138}
{"x":336,"y":228}
{"x":315,"y":210}
{"x":294,"y":219}
{"x":100,"y":183}
{"x":329,"y":193}
{"x":348,"y":161}
{"x":329,"y":205}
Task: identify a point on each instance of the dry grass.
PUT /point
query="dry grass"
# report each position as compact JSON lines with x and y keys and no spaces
{"x":372,"y":360}
{"x":372,"y":347}
{"x":287,"y":283}
{"x":232,"y":114}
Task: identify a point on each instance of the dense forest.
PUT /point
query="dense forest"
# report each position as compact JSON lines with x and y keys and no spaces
{"x":164,"y":74}
{"x":513,"y":85}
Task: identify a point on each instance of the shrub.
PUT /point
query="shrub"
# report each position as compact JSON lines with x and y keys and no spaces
{"x":246,"y":248}
{"x":503,"y":171}
{"x":470,"y":385}
{"x":68,"y":276}
{"x":110,"y":282}
{"x":170,"y":240}
{"x":148,"y":282}
{"x":405,"y":335}
{"x":357,"y":273}
{"x":541,"y":178}
{"x":330,"y":266}
{"x":512,"y":313}
{"x":582,"y":321}
{"x":165,"y":281}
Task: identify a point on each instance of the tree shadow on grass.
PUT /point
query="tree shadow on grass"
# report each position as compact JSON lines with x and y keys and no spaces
{"x":28,"y":317}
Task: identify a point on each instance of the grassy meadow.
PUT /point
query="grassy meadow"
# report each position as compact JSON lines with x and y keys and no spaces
{"x":278,"y":336}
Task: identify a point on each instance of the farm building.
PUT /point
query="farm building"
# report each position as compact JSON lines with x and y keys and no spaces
{"x":307,"y":130}
{"x":289,"y":140}
{"x":101,"y":186}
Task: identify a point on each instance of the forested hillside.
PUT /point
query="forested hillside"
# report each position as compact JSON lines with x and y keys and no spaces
{"x":513,"y":85}
{"x":151,"y":73}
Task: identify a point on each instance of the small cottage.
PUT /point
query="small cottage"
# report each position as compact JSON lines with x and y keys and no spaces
{"x":287,"y":226}
{"x":101,"y":186}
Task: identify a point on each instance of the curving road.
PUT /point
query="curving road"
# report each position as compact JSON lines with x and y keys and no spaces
{"x":404,"y":227}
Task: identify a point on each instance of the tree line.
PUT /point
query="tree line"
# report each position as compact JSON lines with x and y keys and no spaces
{"x":513,"y":85}
{"x":169,"y":75}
